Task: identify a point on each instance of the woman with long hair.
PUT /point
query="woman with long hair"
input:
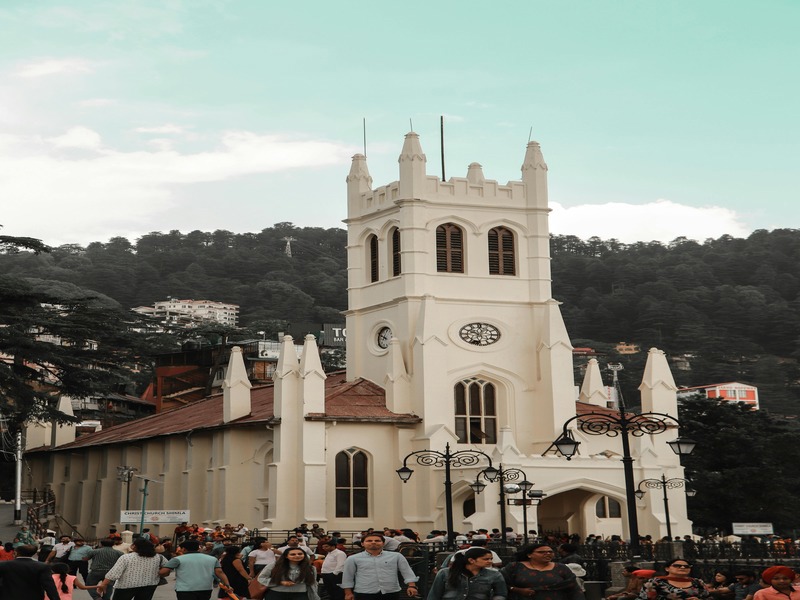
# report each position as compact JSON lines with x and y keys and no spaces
{"x":469,"y":577}
{"x":677,"y":584}
{"x":135,"y":573}
{"x":260,"y":556}
{"x":232,"y":566}
{"x":720,"y":586}
{"x":535,"y":573}
{"x":292,"y":576}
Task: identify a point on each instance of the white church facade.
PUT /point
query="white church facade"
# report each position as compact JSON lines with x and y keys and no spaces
{"x":453,"y":338}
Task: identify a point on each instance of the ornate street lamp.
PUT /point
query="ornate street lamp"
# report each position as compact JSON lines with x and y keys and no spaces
{"x":503,"y":476}
{"x":125,"y":474}
{"x":624,"y":425}
{"x":446,"y":459}
{"x":665,"y":484}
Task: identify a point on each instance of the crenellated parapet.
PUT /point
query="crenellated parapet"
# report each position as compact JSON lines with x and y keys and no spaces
{"x":473,"y":190}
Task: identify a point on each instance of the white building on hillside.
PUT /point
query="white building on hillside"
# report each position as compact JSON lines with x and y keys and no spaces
{"x":191,"y":312}
{"x":453,"y":338}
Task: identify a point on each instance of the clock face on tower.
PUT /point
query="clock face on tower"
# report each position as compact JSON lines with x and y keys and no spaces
{"x":479,"y":334}
{"x":384,"y":336}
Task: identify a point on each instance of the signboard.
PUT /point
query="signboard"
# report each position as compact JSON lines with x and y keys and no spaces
{"x":752,"y":528}
{"x":154,"y":516}
{"x":334,"y":335}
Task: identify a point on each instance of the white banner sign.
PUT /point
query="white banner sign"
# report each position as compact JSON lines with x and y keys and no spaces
{"x":752,"y":528}
{"x":154,"y":516}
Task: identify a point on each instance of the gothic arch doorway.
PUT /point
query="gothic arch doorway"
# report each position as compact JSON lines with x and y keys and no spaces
{"x":583,"y":512}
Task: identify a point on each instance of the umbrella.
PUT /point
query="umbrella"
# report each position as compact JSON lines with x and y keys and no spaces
{"x":228,"y":590}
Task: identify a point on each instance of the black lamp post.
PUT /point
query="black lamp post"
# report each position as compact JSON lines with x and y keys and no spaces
{"x":624,"y":425}
{"x":503,"y":476}
{"x":446,"y":459}
{"x":125,"y":474}
{"x":665,"y":484}
{"x":529,"y":498}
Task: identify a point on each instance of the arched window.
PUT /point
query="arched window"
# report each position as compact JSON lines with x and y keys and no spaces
{"x":607,"y":508}
{"x":352,"y":490}
{"x":476,"y":412}
{"x":449,"y":249}
{"x":372,"y":245}
{"x":396,"y":252}
{"x":502,"y":259}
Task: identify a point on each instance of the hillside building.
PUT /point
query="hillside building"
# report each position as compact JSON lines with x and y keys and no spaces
{"x":453,"y":338}
{"x":190,"y":313}
{"x":731,"y":391}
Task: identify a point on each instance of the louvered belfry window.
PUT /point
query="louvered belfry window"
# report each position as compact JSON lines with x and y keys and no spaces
{"x":396,"y":253}
{"x":449,"y":249}
{"x":373,"y":258}
{"x":502,"y":259}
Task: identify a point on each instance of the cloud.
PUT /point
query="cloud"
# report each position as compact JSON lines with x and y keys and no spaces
{"x":78,"y":137}
{"x":661,"y":220}
{"x":168,"y":128}
{"x":96,"y":102}
{"x":52,"y":66}
{"x":91,"y":196}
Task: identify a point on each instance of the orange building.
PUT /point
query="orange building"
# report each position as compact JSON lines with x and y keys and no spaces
{"x":732,"y":391}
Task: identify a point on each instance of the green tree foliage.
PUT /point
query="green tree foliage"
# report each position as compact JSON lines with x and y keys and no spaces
{"x":743,"y":468}
{"x":249,"y":269}
{"x":58,"y":339}
{"x":732,"y":305}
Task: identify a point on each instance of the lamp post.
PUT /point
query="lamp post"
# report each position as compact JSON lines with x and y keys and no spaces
{"x":529,"y":498}
{"x":125,"y":474}
{"x":665,"y":484}
{"x":503,"y":476}
{"x":446,"y":459}
{"x":624,"y":425}
{"x":145,"y":493}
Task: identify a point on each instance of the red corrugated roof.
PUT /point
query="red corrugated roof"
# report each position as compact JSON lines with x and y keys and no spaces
{"x":358,"y":400}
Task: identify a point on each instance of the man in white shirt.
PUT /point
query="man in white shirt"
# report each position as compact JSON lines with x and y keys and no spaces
{"x":390,"y":543}
{"x":294,"y":542}
{"x":331,"y":570}
{"x":61,"y":550}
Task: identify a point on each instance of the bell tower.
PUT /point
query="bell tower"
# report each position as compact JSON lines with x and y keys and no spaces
{"x":450,"y":306}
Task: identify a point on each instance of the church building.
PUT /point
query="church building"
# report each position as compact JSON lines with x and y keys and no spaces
{"x":453,"y":342}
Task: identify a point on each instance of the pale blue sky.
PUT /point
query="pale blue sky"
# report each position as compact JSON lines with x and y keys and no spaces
{"x":657,"y":119}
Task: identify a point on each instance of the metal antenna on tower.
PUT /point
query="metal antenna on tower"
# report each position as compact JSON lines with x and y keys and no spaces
{"x":288,"y":249}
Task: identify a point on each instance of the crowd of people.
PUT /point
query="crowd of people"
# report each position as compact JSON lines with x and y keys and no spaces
{"x":369,"y":565}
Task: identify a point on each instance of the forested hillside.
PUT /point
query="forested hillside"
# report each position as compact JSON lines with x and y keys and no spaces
{"x":730,"y":304}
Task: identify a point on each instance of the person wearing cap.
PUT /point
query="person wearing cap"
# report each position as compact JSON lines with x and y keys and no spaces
{"x":779,"y":579}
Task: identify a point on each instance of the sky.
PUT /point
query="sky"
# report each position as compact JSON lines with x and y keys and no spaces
{"x":657,"y":119}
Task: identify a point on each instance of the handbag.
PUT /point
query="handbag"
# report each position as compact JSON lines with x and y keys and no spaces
{"x":256,"y":590}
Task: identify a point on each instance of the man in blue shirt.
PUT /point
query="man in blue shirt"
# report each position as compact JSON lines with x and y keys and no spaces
{"x":194,"y":573}
{"x":373,"y":573}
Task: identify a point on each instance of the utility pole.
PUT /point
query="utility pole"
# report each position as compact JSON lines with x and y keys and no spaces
{"x":288,"y":249}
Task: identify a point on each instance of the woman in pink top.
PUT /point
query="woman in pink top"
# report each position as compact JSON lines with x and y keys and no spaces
{"x":780,"y":580}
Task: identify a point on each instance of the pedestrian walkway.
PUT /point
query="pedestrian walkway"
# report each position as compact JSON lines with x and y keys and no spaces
{"x":7,"y":528}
